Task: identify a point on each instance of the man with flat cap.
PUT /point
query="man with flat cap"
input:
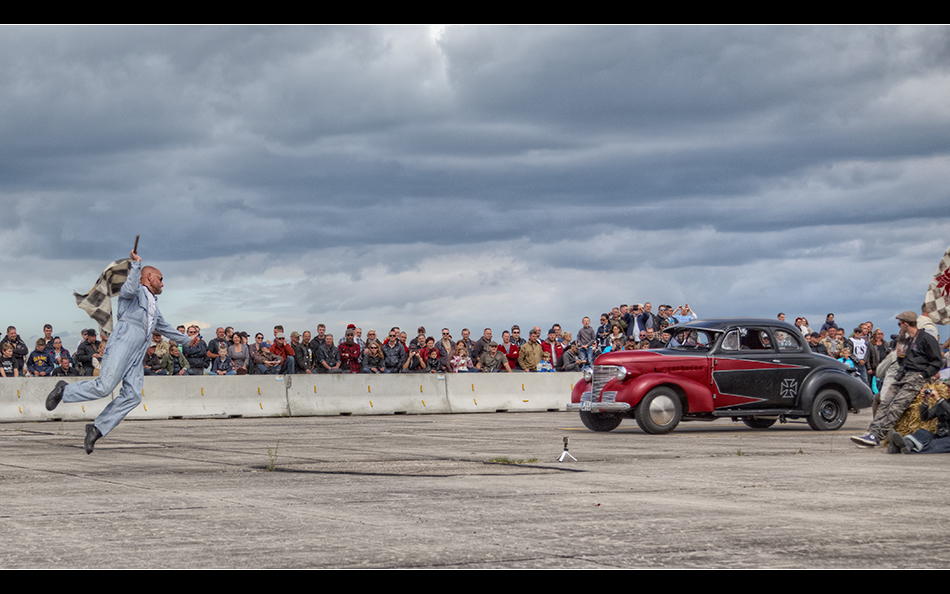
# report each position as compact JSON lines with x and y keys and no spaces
{"x":138,"y":317}
{"x":919,"y":362}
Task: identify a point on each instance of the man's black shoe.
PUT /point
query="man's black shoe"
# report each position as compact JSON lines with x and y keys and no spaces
{"x":898,"y":442}
{"x":56,"y":396}
{"x":92,"y":435}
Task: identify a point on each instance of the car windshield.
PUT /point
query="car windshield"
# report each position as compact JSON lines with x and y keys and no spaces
{"x":693,"y":340}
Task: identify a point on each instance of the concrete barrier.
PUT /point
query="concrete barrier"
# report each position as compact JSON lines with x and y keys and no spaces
{"x":366,"y":394}
{"x":24,"y":399}
{"x":510,"y":392}
{"x":198,"y":396}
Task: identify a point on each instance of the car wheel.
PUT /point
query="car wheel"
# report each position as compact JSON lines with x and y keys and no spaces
{"x":759,"y":422}
{"x":828,"y":412}
{"x":659,"y":411}
{"x":600,"y":421}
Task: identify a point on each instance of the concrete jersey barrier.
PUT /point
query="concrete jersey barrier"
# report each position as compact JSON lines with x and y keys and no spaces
{"x":23,"y":399}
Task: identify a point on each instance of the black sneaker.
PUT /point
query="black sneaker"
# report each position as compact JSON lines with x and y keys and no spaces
{"x":56,"y":395}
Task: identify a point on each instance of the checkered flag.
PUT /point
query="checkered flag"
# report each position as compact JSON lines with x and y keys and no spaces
{"x":937,"y":302}
{"x":98,"y":302}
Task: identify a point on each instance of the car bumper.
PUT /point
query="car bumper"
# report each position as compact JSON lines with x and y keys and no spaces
{"x":585,"y":405}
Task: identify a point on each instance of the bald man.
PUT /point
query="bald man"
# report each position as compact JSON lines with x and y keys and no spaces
{"x":138,"y":317}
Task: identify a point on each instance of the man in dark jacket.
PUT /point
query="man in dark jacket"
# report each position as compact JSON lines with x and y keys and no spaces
{"x":197,"y":354}
{"x":87,"y":351}
{"x":20,"y":350}
{"x":394,"y":353}
{"x":921,"y":361}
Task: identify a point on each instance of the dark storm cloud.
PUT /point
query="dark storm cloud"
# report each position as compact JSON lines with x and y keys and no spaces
{"x":381,"y":157}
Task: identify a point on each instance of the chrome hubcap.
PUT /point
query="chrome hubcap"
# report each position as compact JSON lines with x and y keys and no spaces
{"x":662,"y":410}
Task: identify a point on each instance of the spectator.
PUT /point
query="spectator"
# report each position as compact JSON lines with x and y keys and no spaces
{"x":318,"y":341}
{"x":302,"y":361}
{"x":414,"y":361}
{"x":530,"y":353}
{"x":20,"y":351}
{"x":328,"y":356}
{"x":434,"y":362}
{"x":816,"y":346}
{"x":603,"y":332}
{"x":545,"y":364}
{"x":394,"y":352}
{"x":921,"y":362}
{"x":877,"y":351}
{"x":510,"y":350}
{"x":552,"y":346}
{"x":350,"y":352}
{"x":161,"y":345}
{"x":516,"y":336}
{"x":493,"y":361}
{"x":213,"y":346}
{"x":461,"y":360}
{"x":87,"y":352}
{"x":572,"y":359}
{"x":152,"y":362}
{"x":65,"y":368}
{"x":467,"y":341}
{"x":239,"y":353}
{"x":222,"y":364}
{"x":284,"y":351}
{"x":481,"y":345}
{"x":40,"y":362}
{"x":923,"y":441}
{"x":586,"y":339}
{"x":829,"y":323}
{"x":8,"y":365}
{"x":373,"y":359}
{"x":174,"y":362}
{"x":196,"y":355}
{"x":446,"y":348}
{"x":57,"y":352}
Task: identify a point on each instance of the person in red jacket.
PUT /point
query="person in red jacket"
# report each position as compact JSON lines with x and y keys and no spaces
{"x":554,"y":348}
{"x":285,"y":352}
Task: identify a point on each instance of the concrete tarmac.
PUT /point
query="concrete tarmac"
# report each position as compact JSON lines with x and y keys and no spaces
{"x":422,"y":492}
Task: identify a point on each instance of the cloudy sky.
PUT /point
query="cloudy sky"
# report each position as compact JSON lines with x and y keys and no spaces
{"x":474,"y":176}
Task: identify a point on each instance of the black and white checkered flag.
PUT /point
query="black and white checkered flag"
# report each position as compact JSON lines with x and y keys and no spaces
{"x":98,"y":302}
{"x":937,"y":302}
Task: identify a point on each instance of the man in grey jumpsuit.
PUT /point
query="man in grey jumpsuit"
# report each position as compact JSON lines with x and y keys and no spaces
{"x":138,"y":317}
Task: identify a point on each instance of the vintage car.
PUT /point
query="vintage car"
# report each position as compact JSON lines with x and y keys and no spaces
{"x":756,"y":371}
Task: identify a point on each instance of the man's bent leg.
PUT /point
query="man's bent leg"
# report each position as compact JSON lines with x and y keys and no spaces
{"x":122,"y":349}
{"x":130,"y":396}
{"x":892,"y":407}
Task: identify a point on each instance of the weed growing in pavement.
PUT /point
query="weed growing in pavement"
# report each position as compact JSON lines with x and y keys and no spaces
{"x":272,"y":457}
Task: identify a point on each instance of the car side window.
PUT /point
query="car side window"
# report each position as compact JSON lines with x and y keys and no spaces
{"x":754,"y":339}
{"x":731,"y":341}
{"x":787,"y":342}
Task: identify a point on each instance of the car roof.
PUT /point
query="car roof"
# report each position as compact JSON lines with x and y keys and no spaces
{"x":723,"y":324}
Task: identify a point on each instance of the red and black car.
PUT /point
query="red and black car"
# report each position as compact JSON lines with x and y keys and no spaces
{"x":756,"y":371}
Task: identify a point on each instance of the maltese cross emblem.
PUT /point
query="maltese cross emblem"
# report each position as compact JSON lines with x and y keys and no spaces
{"x":789,"y":388}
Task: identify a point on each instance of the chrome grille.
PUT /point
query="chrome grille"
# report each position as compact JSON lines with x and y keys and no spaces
{"x":602,"y":375}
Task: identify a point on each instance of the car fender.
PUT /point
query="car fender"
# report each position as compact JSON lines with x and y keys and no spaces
{"x":579,"y":388}
{"x":696,"y":397}
{"x":856,"y":392}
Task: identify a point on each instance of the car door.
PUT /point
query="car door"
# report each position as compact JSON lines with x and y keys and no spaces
{"x":753,"y":370}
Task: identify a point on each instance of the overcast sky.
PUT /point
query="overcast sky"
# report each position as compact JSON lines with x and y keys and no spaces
{"x":474,"y":176}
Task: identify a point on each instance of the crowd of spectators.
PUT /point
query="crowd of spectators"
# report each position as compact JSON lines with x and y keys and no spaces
{"x":231,"y":352}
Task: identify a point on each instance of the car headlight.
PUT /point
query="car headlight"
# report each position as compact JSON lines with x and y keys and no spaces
{"x":588,"y":374}
{"x":621,"y":372}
